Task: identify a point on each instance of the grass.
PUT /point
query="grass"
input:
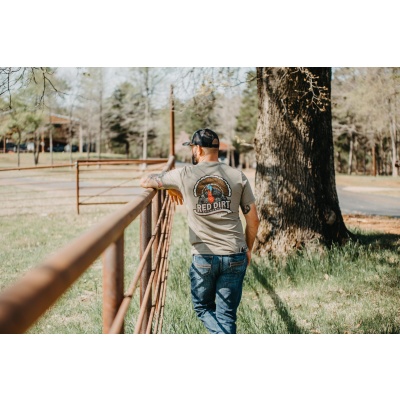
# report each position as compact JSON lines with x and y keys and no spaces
{"x":27,"y":241}
{"x":79,"y":310}
{"x":349,"y":289}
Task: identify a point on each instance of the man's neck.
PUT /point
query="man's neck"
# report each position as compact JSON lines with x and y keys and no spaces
{"x":208,"y":158}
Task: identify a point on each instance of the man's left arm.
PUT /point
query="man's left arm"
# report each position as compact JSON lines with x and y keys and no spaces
{"x":252,"y":222}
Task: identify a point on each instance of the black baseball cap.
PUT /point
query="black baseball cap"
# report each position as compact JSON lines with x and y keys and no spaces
{"x":204,"y":138}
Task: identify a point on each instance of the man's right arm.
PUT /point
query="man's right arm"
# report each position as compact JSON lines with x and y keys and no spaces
{"x":152,"y":181}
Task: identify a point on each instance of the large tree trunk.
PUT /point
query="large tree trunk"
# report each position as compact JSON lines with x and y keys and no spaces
{"x":295,"y":176}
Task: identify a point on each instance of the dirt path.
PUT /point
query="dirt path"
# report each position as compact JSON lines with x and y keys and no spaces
{"x":373,"y":223}
{"x":382,"y":185}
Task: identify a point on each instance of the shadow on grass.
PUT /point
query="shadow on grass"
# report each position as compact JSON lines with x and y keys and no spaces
{"x":281,"y":308}
{"x":378,"y":240}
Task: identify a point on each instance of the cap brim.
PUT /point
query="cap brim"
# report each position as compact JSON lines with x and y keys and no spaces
{"x":186,"y":144}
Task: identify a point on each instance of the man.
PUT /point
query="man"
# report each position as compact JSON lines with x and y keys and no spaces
{"x":213,"y":193}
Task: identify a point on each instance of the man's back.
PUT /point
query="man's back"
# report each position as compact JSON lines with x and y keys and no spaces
{"x":213,"y":193}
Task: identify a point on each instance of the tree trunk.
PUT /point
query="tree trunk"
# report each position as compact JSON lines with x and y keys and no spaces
{"x":18,"y":144}
{"x":374,"y":159}
{"x":295,"y":177}
{"x":36,"y":149}
{"x":146,"y":117}
{"x":51,"y":144}
{"x":70,"y":142}
{"x":127,"y":150}
{"x":339,"y":162}
{"x":89,"y":142}
{"x":393,"y":145}
{"x":80,"y":139}
{"x":100,"y":115}
{"x":42,"y":141}
{"x":350,"y":168}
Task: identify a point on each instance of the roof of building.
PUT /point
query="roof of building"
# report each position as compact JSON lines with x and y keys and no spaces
{"x":61,"y":119}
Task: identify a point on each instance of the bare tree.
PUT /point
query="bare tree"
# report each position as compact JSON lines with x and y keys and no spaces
{"x":226,"y":110}
{"x":366,"y":103}
{"x":14,"y":78}
{"x":148,"y":81}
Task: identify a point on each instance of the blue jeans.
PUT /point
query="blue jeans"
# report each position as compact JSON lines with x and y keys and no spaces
{"x":216,"y":286}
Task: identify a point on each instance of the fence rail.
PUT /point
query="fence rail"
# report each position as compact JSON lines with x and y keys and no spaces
{"x":22,"y":304}
{"x":85,"y":182}
{"x":83,"y":200}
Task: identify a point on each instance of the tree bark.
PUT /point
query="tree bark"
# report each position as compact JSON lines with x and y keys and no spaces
{"x":295,"y":177}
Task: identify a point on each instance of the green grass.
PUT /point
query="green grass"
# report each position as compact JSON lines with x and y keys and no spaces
{"x":349,"y":289}
{"x":27,"y":241}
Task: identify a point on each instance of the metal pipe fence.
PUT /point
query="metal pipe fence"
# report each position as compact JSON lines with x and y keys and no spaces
{"x":65,"y":187}
{"x":23,"y":303}
{"x":34,"y":189}
{"x":117,"y":183}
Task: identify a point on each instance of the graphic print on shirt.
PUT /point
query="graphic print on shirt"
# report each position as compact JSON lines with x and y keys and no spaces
{"x":214,"y":195}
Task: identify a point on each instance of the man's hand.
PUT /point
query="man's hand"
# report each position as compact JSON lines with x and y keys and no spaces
{"x":248,"y":257}
{"x":176,"y":196}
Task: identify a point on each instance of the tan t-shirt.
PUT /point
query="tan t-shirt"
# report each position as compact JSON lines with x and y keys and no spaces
{"x":213,"y":193}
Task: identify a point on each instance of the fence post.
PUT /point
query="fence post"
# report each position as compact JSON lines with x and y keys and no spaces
{"x":172,"y":125}
{"x":77,"y":185}
{"x":113,"y":282}
{"x":156,"y":209}
{"x":145,"y":236}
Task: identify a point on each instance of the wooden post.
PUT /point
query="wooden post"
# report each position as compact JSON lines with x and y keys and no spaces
{"x":172,"y":128}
